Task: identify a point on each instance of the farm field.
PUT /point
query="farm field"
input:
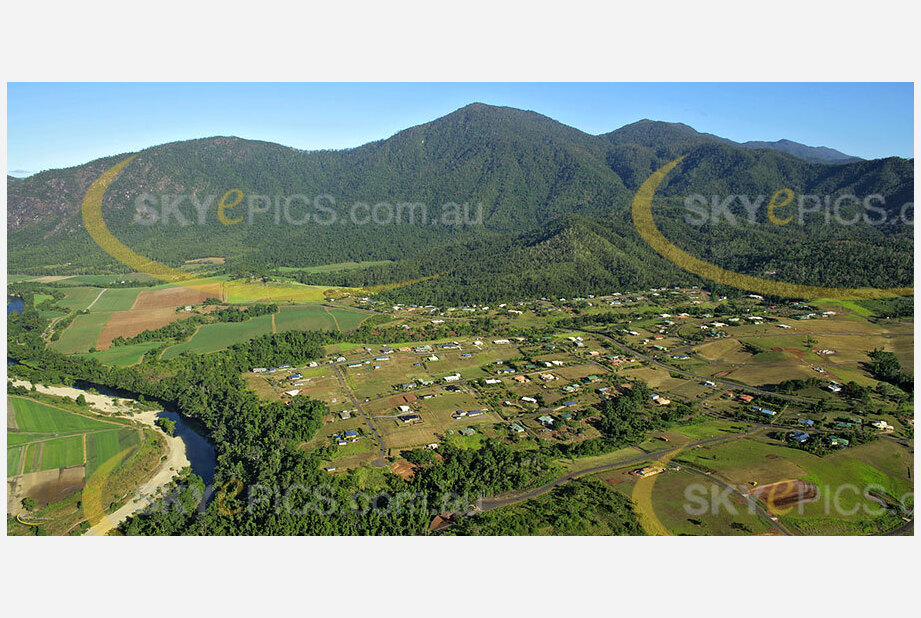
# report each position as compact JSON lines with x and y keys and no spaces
{"x":127,"y":324}
{"x":176,"y":296}
{"x":248,"y":292}
{"x":842,"y":478}
{"x":213,"y":337}
{"x":680,"y":502}
{"x":317,"y":317}
{"x":82,"y":334}
{"x":42,"y":437}
{"x":116,"y":299}
{"x":53,"y":452}
{"x":125,"y":355}
{"x":78,"y":298}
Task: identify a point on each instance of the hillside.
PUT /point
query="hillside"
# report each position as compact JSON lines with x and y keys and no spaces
{"x":548,"y":208}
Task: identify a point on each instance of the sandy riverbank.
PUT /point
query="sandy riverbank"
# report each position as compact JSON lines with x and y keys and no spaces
{"x":176,"y":458}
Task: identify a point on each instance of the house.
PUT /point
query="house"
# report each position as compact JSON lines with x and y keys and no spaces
{"x":353,"y":365}
{"x":500,"y":341}
{"x":516,"y":428}
{"x":529,"y":399}
{"x":350,"y":433}
{"x":806,"y":421}
{"x":836,"y":441}
{"x":410,"y":418}
{"x":259,"y":370}
{"x":452,"y":378}
{"x":546,"y":421}
{"x":710,"y":383}
{"x":835,"y":388}
{"x":477,"y":412}
{"x":345,"y":415}
{"x":404,"y":408}
{"x":521,"y":379}
{"x":295,"y":376}
{"x":459,"y":414}
{"x":783,"y":326}
{"x":433,"y":358}
{"x":382,"y":358}
{"x":746,"y":398}
{"x":452,"y":389}
{"x":764,"y":411}
{"x":799,"y":437}
{"x":493,"y":381}
{"x":292,"y":393}
{"x":881,"y":425}
{"x":570,"y":403}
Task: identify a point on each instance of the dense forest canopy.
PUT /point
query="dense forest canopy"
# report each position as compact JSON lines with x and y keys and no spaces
{"x":515,"y":205}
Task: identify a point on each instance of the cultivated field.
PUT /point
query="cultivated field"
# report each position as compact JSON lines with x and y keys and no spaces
{"x":213,"y":337}
{"x":172,"y":297}
{"x":82,"y":334}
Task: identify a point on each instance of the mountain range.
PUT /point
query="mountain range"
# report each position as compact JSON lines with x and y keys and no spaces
{"x":554,"y":205}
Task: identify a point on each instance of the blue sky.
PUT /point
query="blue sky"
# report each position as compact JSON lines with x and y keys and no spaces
{"x":60,"y":125}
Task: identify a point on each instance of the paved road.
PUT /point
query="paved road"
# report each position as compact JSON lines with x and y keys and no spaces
{"x":489,"y":504}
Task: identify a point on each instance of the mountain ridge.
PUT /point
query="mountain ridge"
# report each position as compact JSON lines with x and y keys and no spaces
{"x":525,"y":172}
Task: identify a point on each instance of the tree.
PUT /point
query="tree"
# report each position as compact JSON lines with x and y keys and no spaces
{"x":28,"y":504}
{"x":81,"y":400}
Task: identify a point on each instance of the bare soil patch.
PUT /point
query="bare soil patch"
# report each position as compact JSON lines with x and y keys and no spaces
{"x":786,"y":494}
{"x":174,"y":297}
{"x":127,"y":324}
{"x":44,"y":487}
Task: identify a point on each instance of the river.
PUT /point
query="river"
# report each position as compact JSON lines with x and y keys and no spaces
{"x":14,"y":303}
{"x":198,"y":449}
